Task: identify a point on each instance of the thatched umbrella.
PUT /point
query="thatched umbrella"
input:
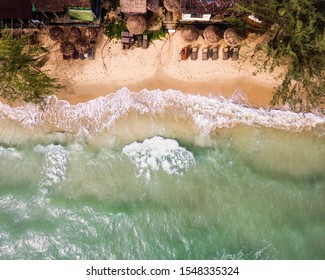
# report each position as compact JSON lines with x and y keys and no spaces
{"x":32,"y":38}
{"x":74,"y":33}
{"x":136,"y":24}
{"x":190,"y":33}
{"x":82,"y":46}
{"x":91,"y":33}
{"x":171,"y":5}
{"x":67,"y":48}
{"x":212,"y":34}
{"x":17,"y":33}
{"x":56,"y":33}
{"x":233,"y":37}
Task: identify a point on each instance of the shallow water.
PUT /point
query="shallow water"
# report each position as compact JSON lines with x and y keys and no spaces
{"x":235,"y":183}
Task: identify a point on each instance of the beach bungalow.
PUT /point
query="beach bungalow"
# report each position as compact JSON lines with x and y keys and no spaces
{"x":139,"y":6}
{"x":69,"y":11}
{"x":203,"y":10}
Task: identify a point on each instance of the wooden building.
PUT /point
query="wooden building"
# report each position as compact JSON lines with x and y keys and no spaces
{"x":139,"y":6}
{"x":70,"y":10}
{"x":202,"y":10}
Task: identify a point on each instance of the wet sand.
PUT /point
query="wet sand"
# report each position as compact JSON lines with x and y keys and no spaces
{"x":242,"y":90}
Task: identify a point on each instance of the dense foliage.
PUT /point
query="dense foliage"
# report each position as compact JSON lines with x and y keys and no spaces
{"x":295,"y":38}
{"x":113,"y":28}
{"x":20,"y":78}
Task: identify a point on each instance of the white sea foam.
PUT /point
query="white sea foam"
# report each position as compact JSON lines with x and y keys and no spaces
{"x":55,"y":167}
{"x":10,"y":153}
{"x":207,"y":113}
{"x":158,"y":153}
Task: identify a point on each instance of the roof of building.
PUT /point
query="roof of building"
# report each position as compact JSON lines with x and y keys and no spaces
{"x":18,"y":9}
{"x":153,"y":5}
{"x":59,"y":5}
{"x":206,"y":6}
{"x":133,"y":6}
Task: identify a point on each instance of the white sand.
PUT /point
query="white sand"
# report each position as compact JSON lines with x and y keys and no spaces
{"x":159,"y":66}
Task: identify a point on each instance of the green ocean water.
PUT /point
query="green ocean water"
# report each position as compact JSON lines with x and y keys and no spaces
{"x":247,"y":193}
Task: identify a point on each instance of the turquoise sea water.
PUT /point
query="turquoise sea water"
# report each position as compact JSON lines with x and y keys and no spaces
{"x":247,"y":192}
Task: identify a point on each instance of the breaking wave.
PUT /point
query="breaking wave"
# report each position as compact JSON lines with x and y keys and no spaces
{"x":205,"y":113}
{"x":158,"y":153}
{"x":10,"y":153}
{"x":55,"y":167}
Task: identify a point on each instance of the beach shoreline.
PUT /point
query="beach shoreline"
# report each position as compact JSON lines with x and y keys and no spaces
{"x":159,"y":67}
{"x":241,"y":90}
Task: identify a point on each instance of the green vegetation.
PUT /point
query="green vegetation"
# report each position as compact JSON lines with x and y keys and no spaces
{"x":113,"y":28}
{"x":295,"y":32}
{"x":20,"y":78}
{"x":159,"y":34}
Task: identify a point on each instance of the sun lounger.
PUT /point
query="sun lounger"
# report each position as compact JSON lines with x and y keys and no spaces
{"x":235,"y":53}
{"x":205,"y":54}
{"x":145,"y":42}
{"x":75,"y":54}
{"x":194,"y":51}
{"x":184,"y":53}
{"x":127,"y":39}
{"x":139,"y":41}
{"x":225,"y":53}
{"x":214,"y":53}
{"x":91,"y":53}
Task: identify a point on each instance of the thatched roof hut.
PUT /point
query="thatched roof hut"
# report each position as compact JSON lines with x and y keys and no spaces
{"x":133,"y":6}
{"x":67,"y":48}
{"x":190,"y":33}
{"x":74,"y":33}
{"x":16,"y":33}
{"x":233,"y":36}
{"x":153,"y":6}
{"x":214,"y":7}
{"x":56,"y":33}
{"x":136,"y":24}
{"x":172,"y":5}
{"x":91,"y":33}
{"x":212,"y":34}
{"x":82,"y":46}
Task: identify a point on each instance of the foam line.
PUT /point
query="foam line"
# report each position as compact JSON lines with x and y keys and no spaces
{"x":207,"y":113}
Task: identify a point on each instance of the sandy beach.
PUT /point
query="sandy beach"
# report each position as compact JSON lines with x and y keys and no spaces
{"x":159,"y":67}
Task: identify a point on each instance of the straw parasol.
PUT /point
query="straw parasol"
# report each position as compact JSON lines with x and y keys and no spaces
{"x":212,"y":34}
{"x":74,"y":33}
{"x":190,"y":33}
{"x":171,"y":5}
{"x":91,"y":33}
{"x":67,"y":48}
{"x":136,"y":24}
{"x":233,"y":37}
{"x":82,"y":46}
{"x":56,"y":33}
{"x":16,"y":33}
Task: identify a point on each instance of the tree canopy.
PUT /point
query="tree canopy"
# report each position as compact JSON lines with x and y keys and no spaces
{"x":20,"y":78}
{"x":296,"y":39}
